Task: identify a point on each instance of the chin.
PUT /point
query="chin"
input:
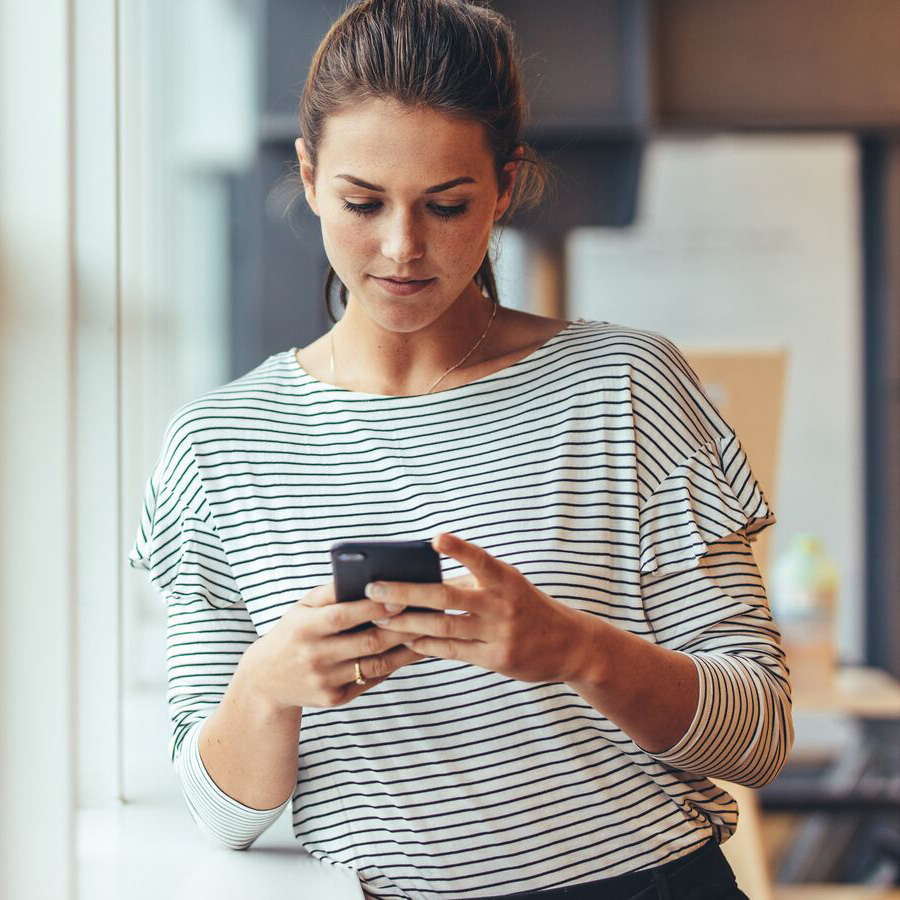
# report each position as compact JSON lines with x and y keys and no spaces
{"x":403,"y":314}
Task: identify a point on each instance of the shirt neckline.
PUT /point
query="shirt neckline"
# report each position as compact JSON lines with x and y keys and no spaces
{"x":340,"y":393}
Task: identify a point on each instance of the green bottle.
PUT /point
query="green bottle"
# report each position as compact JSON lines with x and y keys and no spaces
{"x":803,"y":597}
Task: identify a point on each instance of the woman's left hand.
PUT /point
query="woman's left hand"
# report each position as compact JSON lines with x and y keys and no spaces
{"x":508,"y":625}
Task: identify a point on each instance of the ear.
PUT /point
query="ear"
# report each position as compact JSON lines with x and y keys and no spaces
{"x":306,"y":173}
{"x":505,"y":195}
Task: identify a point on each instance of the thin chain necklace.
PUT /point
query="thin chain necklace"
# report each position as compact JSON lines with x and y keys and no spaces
{"x":433,"y":386}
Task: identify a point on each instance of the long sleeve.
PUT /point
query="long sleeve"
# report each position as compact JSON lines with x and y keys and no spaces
{"x":204,"y":647}
{"x":718,"y":614}
{"x":700,"y":509}
{"x":208,"y":628}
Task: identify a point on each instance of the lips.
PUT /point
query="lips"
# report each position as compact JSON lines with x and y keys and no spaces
{"x":402,"y":288}
{"x":401,"y":280}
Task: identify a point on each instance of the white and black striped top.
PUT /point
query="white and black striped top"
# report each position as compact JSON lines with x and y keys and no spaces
{"x":599,"y":468}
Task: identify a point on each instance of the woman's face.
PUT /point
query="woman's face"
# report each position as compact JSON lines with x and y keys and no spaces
{"x":405,"y":223}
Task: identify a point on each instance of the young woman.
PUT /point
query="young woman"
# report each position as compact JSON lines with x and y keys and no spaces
{"x":593,"y":510}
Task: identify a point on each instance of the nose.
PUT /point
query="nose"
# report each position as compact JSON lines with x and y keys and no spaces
{"x":402,"y":240}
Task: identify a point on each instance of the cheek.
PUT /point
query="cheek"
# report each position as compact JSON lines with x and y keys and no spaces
{"x":345,"y":238}
{"x":460,"y":242}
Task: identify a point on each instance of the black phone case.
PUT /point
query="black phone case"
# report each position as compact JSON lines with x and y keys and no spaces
{"x":355,"y":563}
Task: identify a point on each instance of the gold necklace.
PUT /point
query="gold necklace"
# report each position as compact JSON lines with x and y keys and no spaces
{"x":433,"y":386}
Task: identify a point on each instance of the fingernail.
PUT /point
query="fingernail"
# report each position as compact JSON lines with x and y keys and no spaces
{"x":382,"y":621}
{"x":374,"y":590}
{"x":392,"y":608}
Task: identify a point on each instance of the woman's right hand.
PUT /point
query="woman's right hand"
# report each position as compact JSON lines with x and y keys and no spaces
{"x":305,"y":660}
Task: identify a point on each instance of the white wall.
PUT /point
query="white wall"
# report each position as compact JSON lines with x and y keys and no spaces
{"x":187,"y":87}
{"x":748,"y":240}
{"x":37,"y":565}
{"x":97,"y":486}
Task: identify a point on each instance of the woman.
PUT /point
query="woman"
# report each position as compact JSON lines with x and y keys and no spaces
{"x":593,"y":509}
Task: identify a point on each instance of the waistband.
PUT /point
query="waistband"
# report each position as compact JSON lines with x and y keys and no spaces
{"x":705,"y":865}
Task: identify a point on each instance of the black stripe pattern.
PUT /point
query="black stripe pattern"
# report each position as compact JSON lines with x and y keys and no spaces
{"x":597,"y":466}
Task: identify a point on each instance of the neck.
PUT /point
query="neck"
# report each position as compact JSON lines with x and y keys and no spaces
{"x":374,"y":358}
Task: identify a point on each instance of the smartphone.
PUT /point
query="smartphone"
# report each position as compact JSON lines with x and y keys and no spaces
{"x":355,"y":563}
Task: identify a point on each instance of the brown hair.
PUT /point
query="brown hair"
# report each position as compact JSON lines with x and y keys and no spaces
{"x":452,"y":56}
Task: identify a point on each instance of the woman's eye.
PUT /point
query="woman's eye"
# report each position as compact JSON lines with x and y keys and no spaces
{"x":361,"y":209}
{"x":442,"y":212}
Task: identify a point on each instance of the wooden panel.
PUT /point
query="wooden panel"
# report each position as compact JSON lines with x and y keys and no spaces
{"x":807,"y":63}
{"x":546,"y":278}
{"x":748,"y":387}
{"x":745,"y":849}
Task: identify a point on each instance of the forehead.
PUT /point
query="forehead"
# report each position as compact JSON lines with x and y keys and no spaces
{"x":380,"y":140}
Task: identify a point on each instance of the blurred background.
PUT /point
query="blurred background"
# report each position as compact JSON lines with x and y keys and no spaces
{"x":729,"y":176}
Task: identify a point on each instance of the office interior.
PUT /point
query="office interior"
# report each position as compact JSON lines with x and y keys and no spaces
{"x":729,"y":177}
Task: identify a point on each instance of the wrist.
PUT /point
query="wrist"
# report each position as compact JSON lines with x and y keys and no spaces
{"x":588,"y":666}
{"x":251,"y":678}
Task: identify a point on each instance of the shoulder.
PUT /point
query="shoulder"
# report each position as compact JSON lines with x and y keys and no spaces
{"x":647,"y":356}
{"x":644,"y":354}
{"x":657,"y":362}
{"x":638,"y":346}
{"x":665,"y":395}
{"x":520,"y":329}
{"x":219,"y":411}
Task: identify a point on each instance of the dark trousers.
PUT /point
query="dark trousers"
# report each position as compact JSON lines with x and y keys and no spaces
{"x":704,"y":874}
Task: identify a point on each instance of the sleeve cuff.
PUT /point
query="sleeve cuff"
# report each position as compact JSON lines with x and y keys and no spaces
{"x":690,"y":749}
{"x":219,"y":816}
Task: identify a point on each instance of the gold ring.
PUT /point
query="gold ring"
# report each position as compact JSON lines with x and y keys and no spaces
{"x":359,"y":674}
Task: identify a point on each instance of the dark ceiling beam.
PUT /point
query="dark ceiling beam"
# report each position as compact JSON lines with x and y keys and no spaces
{"x":822,"y":64}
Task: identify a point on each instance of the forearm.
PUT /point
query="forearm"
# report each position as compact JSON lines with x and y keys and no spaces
{"x":711,"y":712}
{"x":248,"y":747}
{"x":648,"y":691}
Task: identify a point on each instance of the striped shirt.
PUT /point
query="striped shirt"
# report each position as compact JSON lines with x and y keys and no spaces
{"x":598,"y":467}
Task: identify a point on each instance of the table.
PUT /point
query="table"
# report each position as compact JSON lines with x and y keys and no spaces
{"x":859,"y":782}
{"x":834,"y":892}
{"x":862,"y":691}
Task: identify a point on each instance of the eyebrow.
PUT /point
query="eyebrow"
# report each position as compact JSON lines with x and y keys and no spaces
{"x":432,"y":190}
